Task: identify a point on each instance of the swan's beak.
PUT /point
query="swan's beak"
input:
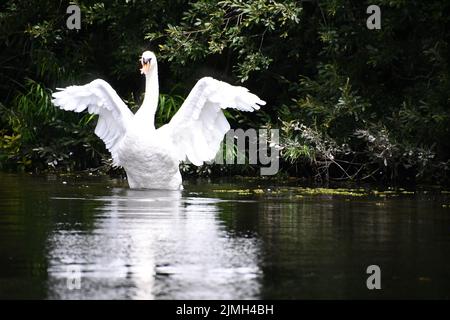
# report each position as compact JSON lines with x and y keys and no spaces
{"x":145,"y":67}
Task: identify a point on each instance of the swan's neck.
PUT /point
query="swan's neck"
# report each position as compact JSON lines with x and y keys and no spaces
{"x":146,"y":113}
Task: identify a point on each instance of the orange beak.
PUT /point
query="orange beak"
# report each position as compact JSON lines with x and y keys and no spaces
{"x":145,"y":67}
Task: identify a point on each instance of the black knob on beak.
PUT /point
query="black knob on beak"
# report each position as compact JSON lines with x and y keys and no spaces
{"x":146,"y":60}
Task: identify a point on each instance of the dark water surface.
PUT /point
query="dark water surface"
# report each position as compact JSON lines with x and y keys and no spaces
{"x":218,"y":241}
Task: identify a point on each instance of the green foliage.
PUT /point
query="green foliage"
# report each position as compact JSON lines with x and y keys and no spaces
{"x":42,"y":137}
{"x":352,"y":103}
{"x":244,"y":33}
{"x":168,"y":106}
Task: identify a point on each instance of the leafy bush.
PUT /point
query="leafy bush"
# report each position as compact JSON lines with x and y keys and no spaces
{"x":352,"y":103}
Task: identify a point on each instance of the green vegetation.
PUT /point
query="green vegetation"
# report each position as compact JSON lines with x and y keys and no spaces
{"x":351,"y":103}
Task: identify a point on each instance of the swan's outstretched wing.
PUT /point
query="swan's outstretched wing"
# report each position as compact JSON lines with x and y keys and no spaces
{"x":100,"y":98}
{"x":200,"y":125}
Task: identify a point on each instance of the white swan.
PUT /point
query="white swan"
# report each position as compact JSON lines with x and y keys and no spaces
{"x":151,"y":156}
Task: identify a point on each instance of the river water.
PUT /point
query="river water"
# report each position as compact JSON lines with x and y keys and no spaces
{"x":93,"y":238}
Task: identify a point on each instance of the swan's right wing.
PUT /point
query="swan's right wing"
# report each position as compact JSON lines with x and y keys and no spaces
{"x":98,"y":97}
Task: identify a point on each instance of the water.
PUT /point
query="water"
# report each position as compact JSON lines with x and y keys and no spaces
{"x":240,"y":240}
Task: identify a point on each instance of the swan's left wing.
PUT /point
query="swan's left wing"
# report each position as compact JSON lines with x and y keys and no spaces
{"x":199,"y":126}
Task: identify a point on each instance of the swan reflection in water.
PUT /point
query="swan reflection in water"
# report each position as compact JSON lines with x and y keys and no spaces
{"x":152,"y":244}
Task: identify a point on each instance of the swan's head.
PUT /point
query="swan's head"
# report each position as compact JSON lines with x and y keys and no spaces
{"x":148,"y":61}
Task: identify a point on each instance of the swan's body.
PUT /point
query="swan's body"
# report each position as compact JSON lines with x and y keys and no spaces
{"x":151,"y":156}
